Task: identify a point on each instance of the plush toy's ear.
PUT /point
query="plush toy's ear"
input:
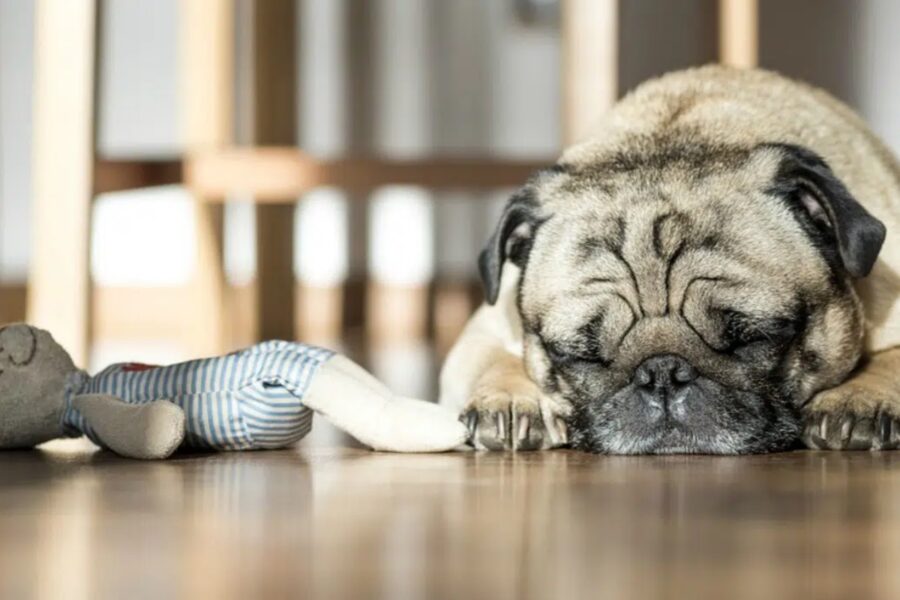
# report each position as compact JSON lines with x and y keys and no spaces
{"x":19,"y":342}
{"x":511,"y":240}
{"x":807,"y":181}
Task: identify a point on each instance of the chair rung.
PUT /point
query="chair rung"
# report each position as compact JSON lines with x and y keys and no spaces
{"x":280,"y":174}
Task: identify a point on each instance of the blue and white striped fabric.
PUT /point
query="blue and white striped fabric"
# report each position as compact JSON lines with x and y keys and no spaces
{"x":247,"y":399}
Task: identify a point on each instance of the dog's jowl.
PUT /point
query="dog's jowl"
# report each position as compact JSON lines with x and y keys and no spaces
{"x":714,"y":270}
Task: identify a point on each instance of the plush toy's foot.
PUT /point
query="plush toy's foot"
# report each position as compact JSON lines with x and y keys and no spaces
{"x":146,"y":431}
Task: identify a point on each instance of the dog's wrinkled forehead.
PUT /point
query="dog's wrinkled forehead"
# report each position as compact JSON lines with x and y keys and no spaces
{"x":652,"y":230}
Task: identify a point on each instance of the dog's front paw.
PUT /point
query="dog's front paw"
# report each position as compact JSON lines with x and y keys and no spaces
{"x":512,"y":414}
{"x":852,"y":417}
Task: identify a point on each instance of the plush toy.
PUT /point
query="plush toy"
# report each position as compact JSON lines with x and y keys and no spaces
{"x":261,"y":397}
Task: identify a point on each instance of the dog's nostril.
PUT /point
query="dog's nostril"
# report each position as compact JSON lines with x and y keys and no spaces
{"x":685,"y":374}
{"x":643,"y":378}
{"x":665,"y":371}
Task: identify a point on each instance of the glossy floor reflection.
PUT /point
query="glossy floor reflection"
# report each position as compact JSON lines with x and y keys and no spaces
{"x":324,"y":521}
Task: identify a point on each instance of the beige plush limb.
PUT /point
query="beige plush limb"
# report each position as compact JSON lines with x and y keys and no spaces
{"x":147,"y":431}
{"x":355,"y":401}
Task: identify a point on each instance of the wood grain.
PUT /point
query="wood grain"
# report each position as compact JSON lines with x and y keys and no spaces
{"x":325,"y":521}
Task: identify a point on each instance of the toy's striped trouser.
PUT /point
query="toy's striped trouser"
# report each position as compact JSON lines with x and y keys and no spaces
{"x":247,"y":399}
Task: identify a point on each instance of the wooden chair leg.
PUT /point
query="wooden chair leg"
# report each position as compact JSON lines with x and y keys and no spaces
{"x":208,"y":334}
{"x":59,"y":283}
{"x":275,"y":303}
{"x":207,"y":80}
{"x":590,"y":56}
{"x":738,"y":33}
{"x":274,"y":122}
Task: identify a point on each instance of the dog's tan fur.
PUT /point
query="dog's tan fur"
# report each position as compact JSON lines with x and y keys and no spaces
{"x":500,"y":368}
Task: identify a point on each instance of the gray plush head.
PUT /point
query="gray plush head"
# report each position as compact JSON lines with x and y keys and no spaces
{"x":33,"y":371}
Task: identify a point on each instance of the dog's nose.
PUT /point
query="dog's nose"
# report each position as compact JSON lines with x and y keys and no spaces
{"x":661,"y":377}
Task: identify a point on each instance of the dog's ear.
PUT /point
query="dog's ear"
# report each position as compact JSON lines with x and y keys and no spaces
{"x":511,"y":240}
{"x":809,"y":184}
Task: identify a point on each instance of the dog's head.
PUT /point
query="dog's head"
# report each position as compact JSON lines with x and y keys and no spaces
{"x":686,"y":297}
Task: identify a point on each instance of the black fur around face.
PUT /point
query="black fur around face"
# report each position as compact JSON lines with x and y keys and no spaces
{"x":702,"y":416}
{"x":733,"y":394}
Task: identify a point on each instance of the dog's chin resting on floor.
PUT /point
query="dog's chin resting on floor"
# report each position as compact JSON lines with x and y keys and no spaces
{"x":708,"y":272}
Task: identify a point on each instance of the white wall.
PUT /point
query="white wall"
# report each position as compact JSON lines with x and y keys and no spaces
{"x":138,"y":84}
{"x":16,"y":25}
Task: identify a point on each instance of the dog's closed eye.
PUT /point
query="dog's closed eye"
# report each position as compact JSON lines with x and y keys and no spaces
{"x":565,"y":355}
{"x":742,"y":330}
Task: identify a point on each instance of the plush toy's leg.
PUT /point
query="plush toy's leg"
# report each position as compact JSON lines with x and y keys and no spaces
{"x":146,"y":431}
{"x":365,"y":408}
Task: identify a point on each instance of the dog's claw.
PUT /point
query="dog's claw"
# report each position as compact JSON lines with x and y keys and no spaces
{"x":505,"y":430}
{"x":894,"y":438}
{"x":848,"y":431}
{"x":563,"y":430}
{"x":530,"y":433}
{"x":470,"y":420}
{"x":522,"y":429}
{"x":885,"y":431}
{"x":863,"y":436}
{"x":503,"y":426}
{"x":813,"y":433}
{"x":823,"y":429}
{"x":558,"y":431}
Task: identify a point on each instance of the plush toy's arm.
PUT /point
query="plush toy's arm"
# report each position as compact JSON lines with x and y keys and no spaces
{"x":362,"y":406}
{"x":146,"y":431}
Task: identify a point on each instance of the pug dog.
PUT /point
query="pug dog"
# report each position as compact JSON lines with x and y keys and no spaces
{"x":713,"y":270}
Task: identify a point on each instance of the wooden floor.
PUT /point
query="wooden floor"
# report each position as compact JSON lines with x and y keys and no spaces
{"x":330,"y":521}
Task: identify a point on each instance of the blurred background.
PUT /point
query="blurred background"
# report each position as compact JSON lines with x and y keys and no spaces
{"x":184,"y":177}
